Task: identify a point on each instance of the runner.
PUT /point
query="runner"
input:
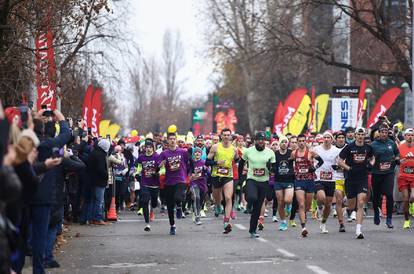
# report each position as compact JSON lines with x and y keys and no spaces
{"x":223,"y":154}
{"x":150,"y":181}
{"x":406,"y":175}
{"x":198,"y":183}
{"x":176,"y":164}
{"x":304,"y":178}
{"x":357,"y":159}
{"x":339,"y":182}
{"x":387,"y":157}
{"x":284,"y":181}
{"x":325,"y":184}
{"x":260,"y":161}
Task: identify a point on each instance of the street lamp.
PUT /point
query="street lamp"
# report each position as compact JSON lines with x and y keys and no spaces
{"x":368,"y":92}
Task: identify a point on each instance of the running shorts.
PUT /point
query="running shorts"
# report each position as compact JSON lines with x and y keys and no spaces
{"x":405,"y":183}
{"x":219,"y":182}
{"x":340,"y":185}
{"x":283,"y":185}
{"x":356,"y":187}
{"x":307,"y":186}
{"x":327,"y":187}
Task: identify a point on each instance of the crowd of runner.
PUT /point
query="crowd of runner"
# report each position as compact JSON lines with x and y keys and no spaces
{"x":53,"y":172}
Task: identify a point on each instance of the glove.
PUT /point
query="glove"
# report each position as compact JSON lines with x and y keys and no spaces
{"x":335,"y":167}
{"x":312,"y":169}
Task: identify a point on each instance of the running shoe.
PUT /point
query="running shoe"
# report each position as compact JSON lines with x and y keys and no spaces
{"x":304,"y":232}
{"x":334,"y":213}
{"x":197,"y":221}
{"x":275,"y":219}
{"x":292,"y":223}
{"x":283,"y":226}
{"x":349,"y":219}
{"x":377,"y":219}
{"x":216,"y":211}
{"x":179,"y":213}
{"x":254,"y":235}
{"x":203,"y":214}
{"x":406,"y":224}
{"x":260,"y":226}
{"x":140,"y":212}
{"x":359,"y":235}
{"x":172,"y":230}
{"x":288,"y":209}
{"x":233,"y":215}
{"x":152,"y":216}
{"x":341,"y":228}
{"x":266,"y":213}
{"x":147,"y":228}
{"x":411,"y":209}
{"x":389,"y":223}
{"x":353,"y":215}
{"x":323,"y":229}
{"x":227,"y":228}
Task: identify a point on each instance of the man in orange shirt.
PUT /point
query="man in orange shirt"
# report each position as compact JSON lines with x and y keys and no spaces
{"x":406,"y":176}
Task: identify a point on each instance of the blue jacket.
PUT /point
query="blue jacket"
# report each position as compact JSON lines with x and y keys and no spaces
{"x":46,"y":191}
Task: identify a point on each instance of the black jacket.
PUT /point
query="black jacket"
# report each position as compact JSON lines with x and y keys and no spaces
{"x":97,"y":167}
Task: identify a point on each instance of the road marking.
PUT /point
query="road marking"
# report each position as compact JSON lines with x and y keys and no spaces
{"x":263,"y":240}
{"x":285,"y":252}
{"x":240,"y":226}
{"x":247,"y":262}
{"x":317,"y":269}
{"x":125,"y":265}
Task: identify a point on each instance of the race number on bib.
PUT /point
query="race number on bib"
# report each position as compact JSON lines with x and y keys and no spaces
{"x":408,"y":170}
{"x":148,"y":172}
{"x":359,"y":158}
{"x":303,"y":170}
{"x":325,"y":175}
{"x":385,"y":166}
{"x":174,"y":164}
{"x":259,"y":172}
{"x":223,"y":171}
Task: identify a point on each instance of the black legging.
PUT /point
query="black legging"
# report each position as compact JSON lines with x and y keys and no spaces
{"x":147,"y":194}
{"x":174,"y":195}
{"x":383,"y":184}
{"x":256,"y":193}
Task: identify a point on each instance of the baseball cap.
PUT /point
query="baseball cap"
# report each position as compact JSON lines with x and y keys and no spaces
{"x":409,"y":131}
{"x":360,"y":130}
{"x":260,"y":135}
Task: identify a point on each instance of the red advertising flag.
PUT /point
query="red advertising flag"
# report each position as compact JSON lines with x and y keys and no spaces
{"x":96,"y":112}
{"x":361,"y":98}
{"x":291,"y":105}
{"x":45,"y":70}
{"x":87,"y":106}
{"x":312,"y":109}
{"x":383,"y":104}
{"x":278,"y":118}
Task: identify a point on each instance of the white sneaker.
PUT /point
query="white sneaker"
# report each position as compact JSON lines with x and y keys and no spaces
{"x":334,"y":213}
{"x":265,"y":214}
{"x":323,"y":229}
{"x":353,"y":215}
{"x":275,"y":219}
{"x":202,"y":214}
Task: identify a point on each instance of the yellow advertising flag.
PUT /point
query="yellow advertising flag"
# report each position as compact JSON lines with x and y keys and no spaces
{"x":104,"y":128}
{"x":321,"y":105}
{"x":113,"y":130}
{"x":298,"y":121}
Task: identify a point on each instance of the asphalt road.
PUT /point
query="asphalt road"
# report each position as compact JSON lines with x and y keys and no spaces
{"x":124,"y":247}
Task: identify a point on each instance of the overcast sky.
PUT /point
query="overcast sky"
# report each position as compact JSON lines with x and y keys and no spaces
{"x":148,"y":21}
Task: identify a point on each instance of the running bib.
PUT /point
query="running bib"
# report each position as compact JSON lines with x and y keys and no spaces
{"x":303,"y":170}
{"x":198,"y":171}
{"x":408,"y":170}
{"x":148,"y":172}
{"x":384,"y":166}
{"x":174,"y":164}
{"x":326,"y":175}
{"x":223,"y":171}
{"x":258,"y":172}
{"x":359,"y":158}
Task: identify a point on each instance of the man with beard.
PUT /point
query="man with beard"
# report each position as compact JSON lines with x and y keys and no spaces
{"x":260,"y":162}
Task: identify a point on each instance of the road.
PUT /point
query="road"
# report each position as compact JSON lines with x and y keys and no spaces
{"x":124,"y":247}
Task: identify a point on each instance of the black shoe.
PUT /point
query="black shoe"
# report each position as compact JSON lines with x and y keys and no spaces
{"x":360,"y":236}
{"x":341,"y":228}
{"x":52,"y":264}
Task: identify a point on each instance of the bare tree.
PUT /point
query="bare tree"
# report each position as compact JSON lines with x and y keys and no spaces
{"x":173,"y":62}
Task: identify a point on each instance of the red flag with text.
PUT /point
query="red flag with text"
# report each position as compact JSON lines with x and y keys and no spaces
{"x":278,"y":119}
{"x":45,"y":71}
{"x":96,"y":112}
{"x":291,"y":105}
{"x":383,"y":104}
{"x":361,"y":98}
{"x":87,"y":106}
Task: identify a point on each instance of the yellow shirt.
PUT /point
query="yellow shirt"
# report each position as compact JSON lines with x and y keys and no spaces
{"x":223,"y":154}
